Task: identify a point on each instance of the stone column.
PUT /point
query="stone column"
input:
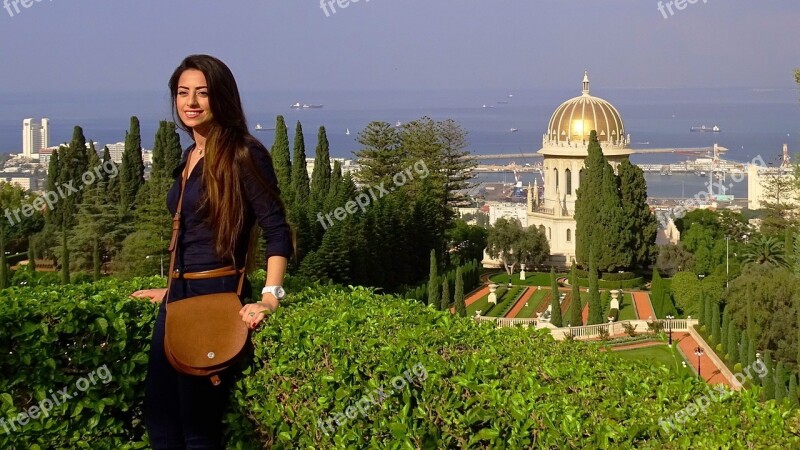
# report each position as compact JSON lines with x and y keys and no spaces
{"x":522,"y":272}
{"x":492,"y":295}
{"x":614,"y":300}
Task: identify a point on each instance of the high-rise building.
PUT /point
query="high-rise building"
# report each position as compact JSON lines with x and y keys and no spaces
{"x":116,"y":151}
{"x":35,"y":136}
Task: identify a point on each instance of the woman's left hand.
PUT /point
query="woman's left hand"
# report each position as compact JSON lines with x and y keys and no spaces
{"x":254,"y":313}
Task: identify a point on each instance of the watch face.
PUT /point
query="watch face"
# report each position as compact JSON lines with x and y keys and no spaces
{"x":279,"y":293}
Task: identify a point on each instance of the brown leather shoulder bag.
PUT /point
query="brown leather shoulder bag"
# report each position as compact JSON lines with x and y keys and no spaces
{"x":203,"y":335}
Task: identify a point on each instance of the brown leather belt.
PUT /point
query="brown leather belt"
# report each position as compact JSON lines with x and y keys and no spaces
{"x":206,"y":274}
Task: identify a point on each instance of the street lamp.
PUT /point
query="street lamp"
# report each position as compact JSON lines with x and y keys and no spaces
{"x":669,"y":325}
{"x":161,"y":257}
{"x":698,"y":351}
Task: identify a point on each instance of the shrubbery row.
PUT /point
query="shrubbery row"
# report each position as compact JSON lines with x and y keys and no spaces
{"x":328,"y":348}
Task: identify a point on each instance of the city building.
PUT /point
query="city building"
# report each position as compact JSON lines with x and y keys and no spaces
{"x":509,"y":211}
{"x":564,"y":148}
{"x":35,"y":136}
{"x":759,"y":179}
{"x":29,"y":183}
{"x":116,"y":151}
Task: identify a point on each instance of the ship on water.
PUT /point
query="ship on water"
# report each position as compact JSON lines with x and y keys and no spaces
{"x":704,"y":129}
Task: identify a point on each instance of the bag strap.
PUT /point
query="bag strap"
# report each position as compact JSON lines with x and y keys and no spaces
{"x":173,"y":243}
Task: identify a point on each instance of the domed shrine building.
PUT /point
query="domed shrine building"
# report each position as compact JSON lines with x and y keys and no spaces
{"x":551,"y":207}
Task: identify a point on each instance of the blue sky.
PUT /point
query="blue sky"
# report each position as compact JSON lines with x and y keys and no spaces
{"x":124,"y":45}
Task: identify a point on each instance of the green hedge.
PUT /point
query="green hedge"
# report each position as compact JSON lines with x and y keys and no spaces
{"x":605,"y":284}
{"x":470,"y":275}
{"x":467,"y":385}
{"x":53,"y":336}
{"x":608,"y":276}
{"x":617,"y":276}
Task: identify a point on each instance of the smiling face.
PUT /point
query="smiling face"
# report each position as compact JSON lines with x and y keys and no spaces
{"x":192,"y":102}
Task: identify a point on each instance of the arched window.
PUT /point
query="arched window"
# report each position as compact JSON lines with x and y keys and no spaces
{"x":569,"y":235}
{"x":556,"y":178}
{"x":549,"y":233}
{"x":568,"y":176}
{"x":580,"y":177}
{"x":541,"y":229}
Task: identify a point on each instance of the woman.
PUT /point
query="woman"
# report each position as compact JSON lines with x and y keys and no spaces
{"x":231,"y":185}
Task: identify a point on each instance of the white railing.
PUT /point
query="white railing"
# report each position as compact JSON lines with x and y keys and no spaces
{"x":501,"y":322}
{"x":590,"y":331}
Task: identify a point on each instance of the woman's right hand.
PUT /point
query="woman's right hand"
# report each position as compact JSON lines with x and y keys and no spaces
{"x":155,"y":295}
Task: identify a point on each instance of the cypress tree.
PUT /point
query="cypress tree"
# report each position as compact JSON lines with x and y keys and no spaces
{"x":159,"y":169}
{"x":132,"y":167}
{"x":751,"y":355}
{"x":112,"y":189}
{"x":173,"y":151}
{"x":588,"y":203}
{"x":555,"y":317}
{"x":574,"y":312}
{"x":445,"y":295}
{"x":461,"y":306}
{"x":780,"y":383}
{"x":321,"y":177}
{"x":768,"y":380}
{"x":639,"y":224}
{"x":614,"y":238}
{"x":744,"y":356}
{"x":724,"y":328}
{"x":336,"y":181}
{"x":300,"y":183}
{"x":657,"y":293}
{"x":433,"y":282}
{"x":715,"y":326}
{"x":280,"y":157}
{"x":595,"y":307}
{"x":92,"y":157}
{"x":733,"y":342}
{"x":709,"y":315}
{"x":792,"y":394}
{"x":53,"y":177}
{"x":702,"y":319}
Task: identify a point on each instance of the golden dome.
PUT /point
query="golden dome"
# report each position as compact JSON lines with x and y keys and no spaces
{"x":577,"y":117}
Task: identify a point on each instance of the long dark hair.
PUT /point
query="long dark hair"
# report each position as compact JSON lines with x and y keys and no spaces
{"x":226,"y":153}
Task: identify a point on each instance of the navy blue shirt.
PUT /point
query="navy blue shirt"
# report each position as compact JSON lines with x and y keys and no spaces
{"x":196,"y":239}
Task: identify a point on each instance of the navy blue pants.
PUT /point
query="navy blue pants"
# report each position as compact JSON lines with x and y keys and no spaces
{"x":184,"y":411}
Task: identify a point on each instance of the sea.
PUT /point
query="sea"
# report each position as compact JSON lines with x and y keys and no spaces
{"x":755,"y":122}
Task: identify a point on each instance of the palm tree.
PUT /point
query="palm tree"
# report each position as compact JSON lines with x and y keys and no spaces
{"x":765,"y":250}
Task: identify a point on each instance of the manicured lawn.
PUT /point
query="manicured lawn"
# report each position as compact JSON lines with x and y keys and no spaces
{"x":531,"y":278}
{"x":536,"y":299}
{"x":657,"y":354}
{"x":505,"y":303}
{"x":626,"y":309}
{"x":483,"y":304}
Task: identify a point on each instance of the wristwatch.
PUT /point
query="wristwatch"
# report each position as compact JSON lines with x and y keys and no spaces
{"x":277,"y":291}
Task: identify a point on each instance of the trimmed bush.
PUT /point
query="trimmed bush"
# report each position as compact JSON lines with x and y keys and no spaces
{"x":616,"y":276}
{"x":605,"y":284}
{"x":393,"y":373}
